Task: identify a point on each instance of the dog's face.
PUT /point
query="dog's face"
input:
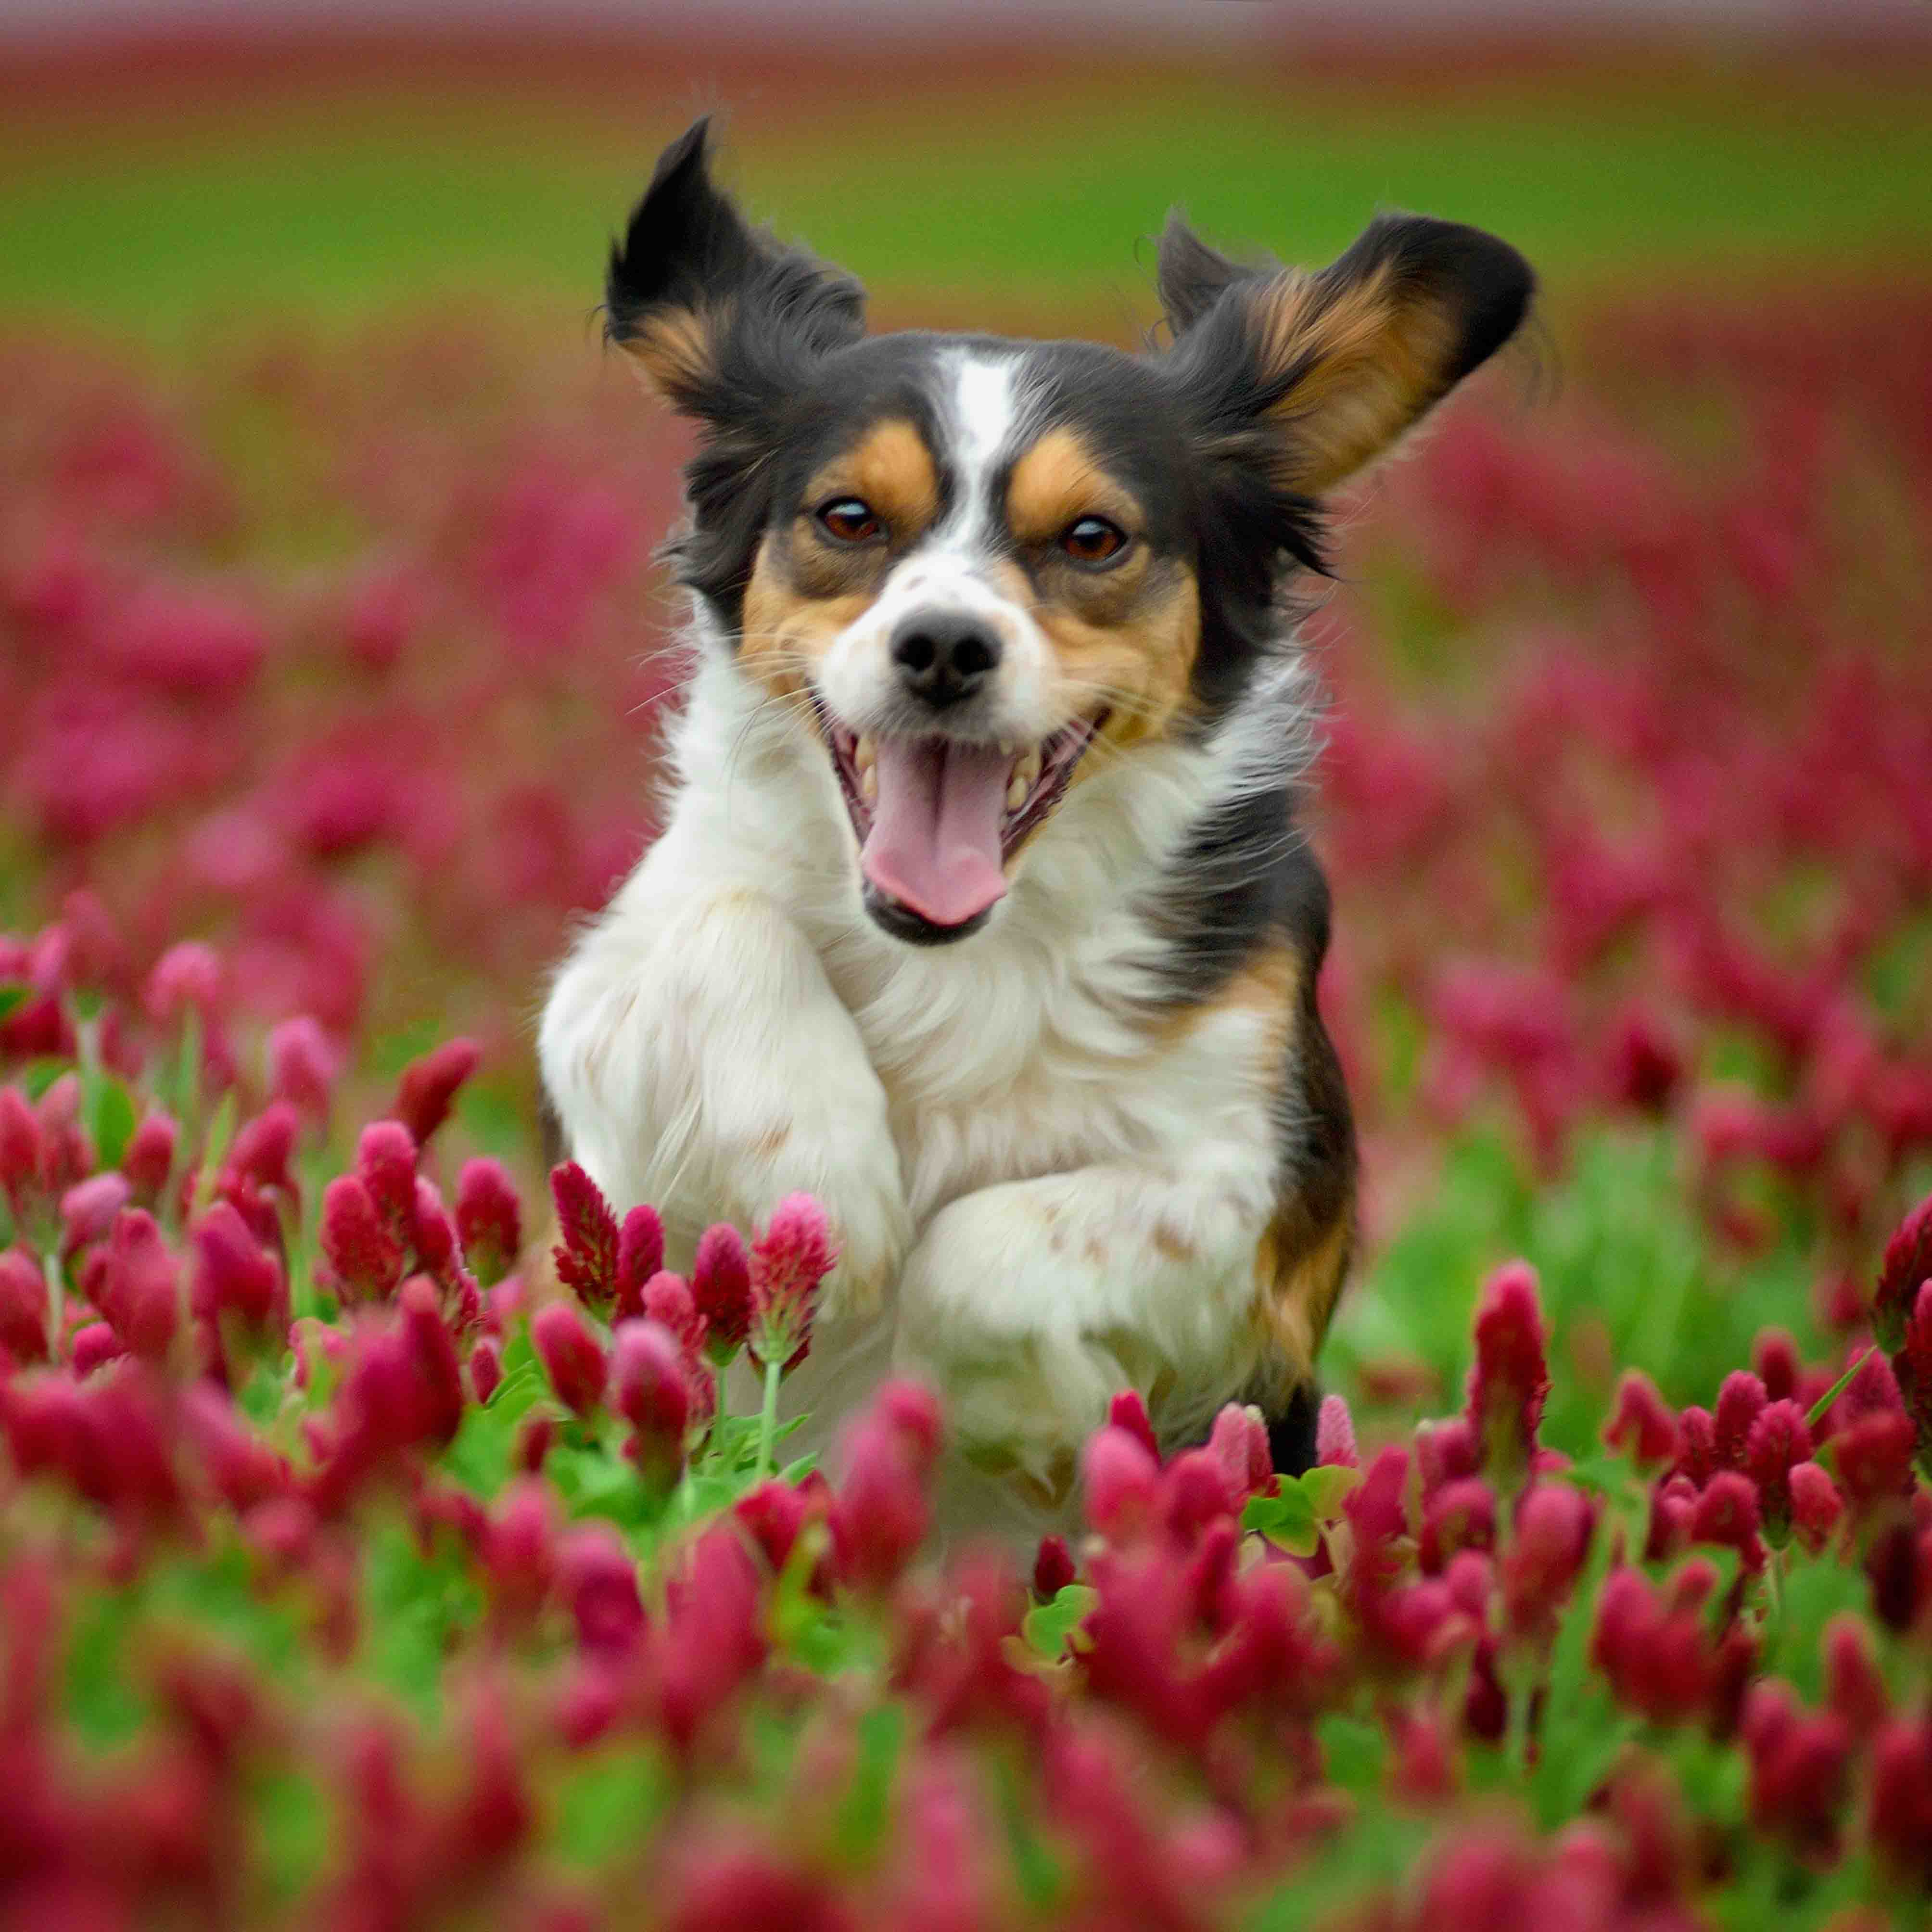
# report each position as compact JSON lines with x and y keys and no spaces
{"x":984,"y":568}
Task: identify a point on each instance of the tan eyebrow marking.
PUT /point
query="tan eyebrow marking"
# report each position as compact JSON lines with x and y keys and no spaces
{"x":892,"y":471}
{"x":1056,"y":480}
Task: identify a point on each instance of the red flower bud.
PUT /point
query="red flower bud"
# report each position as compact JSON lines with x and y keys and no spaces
{"x":586,"y":1258}
{"x":303,"y":1067}
{"x":789,"y":1261}
{"x":1642,"y":1424}
{"x":1052,"y":1567}
{"x":1696,"y":1445}
{"x":1546,"y":1552}
{"x":1128,"y":1411}
{"x":879,"y":1515}
{"x":1900,"y":1818}
{"x":1240,"y":1440}
{"x":1873,"y":1455}
{"x":1509,"y":1381}
{"x":1461,"y":1515}
{"x":140,"y":1295}
{"x":776,"y":1513}
{"x":429,"y":1086}
{"x":88,"y":1209}
{"x":1779,"y":1441}
{"x":1335,"y":1434}
{"x":667,"y":1300}
{"x":234,"y":1277}
{"x":148,"y":1159}
{"x":1120,"y":1477}
{"x":1775,"y":1356}
{"x":649,"y":1390}
{"x":1740,"y":1403}
{"x":364,"y":1255}
{"x":488,"y":1219}
{"x":720,"y":1283}
{"x":264,"y":1147}
{"x":1815,"y":1505}
{"x":93,"y":1345}
{"x":1854,"y":1687}
{"x":25,"y":1307}
{"x":486,"y":1367}
{"x":598,"y":1579}
{"x":639,"y":1256}
{"x":1908,"y":1262}
{"x":1727,"y":1515}
{"x":187,"y":978}
{"x":571,"y":1355}
{"x":385,"y":1161}
{"x":519,"y":1550}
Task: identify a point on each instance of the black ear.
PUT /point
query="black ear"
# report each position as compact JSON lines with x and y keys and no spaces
{"x":715,"y":311}
{"x":1189,"y":277}
{"x":1322,"y":373}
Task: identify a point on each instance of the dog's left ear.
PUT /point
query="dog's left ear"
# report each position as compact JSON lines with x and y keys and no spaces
{"x":718,"y":314}
{"x":1320,"y":374}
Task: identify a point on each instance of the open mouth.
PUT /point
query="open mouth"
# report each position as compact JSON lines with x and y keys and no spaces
{"x":937,"y":818}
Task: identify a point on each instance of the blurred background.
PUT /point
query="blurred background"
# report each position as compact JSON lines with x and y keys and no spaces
{"x":329,"y":631}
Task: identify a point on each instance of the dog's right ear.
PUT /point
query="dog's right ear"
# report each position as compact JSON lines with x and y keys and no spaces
{"x":717,"y":314}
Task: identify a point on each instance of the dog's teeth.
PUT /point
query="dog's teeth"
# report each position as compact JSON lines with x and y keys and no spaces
{"x":1016,"y":792}
{"x":863,"y":753}
{"x":1027,"y":772}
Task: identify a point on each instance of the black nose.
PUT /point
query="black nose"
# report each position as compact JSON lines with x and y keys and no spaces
{"x":943,"y":659}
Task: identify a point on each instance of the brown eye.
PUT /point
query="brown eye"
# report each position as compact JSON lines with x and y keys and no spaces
{"x":1092,"y":540}
{"x":846,"y":520}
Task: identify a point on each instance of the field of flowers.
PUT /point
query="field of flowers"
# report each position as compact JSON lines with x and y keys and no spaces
{"x":345,"y":1581}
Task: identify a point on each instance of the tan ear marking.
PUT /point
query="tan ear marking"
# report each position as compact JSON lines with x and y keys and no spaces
{"x":1361,"y":362}
{"x":673,"y":350}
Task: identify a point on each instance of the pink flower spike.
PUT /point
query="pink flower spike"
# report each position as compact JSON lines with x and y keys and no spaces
{"x":1335,"y":1434}
{"x":149,"y":1158}
{"x":598,"y":1579}
{"x":92,"y":1346}
{"x":366,"y":1257}
{"x":385,"y":1163}
{"x":1908,"y":1262}
{"x":489,"y":1219}
{"x":641,"y":1250}
{"x":88,"y":1209}
{"x":586,"y":1258}
{"x":720,"y":1283}
{"x":1727,"y":1515}
{"x":1052,"y":1567}
{"x":1240,"y":1441}
{"x":1815,"y":1505}
{"x":1741,"y":1401}
{"x":25,"y":1306}
{"x":1779,"y":1441}
{"x":649,"y":1390}
{"x":789,"y":1261}
{"x":486,"y":1367}
{"x":1121,"y":1477}
{"x":1642,"y":1424}
{"x":187,"y":978}
{"x":304,"y":1068}
{"x":1510,"y":1381}
{"x":141,"y":1295}
{"x":1128,"y":1412}
{"x":235,"y":1278}
{"x":429,"y":1086}
{"x":571,"y":1355}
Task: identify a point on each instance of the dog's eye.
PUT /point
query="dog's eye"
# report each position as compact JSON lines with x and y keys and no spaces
{"x":1092,"y":540}
{"x":846,"y":520}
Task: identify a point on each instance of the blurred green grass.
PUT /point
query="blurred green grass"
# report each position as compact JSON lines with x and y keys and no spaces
{"x":976,"y":202}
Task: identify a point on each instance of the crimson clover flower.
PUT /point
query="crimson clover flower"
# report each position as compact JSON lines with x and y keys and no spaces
{"x":1511,"y":1380}
{"x":789,"y":1261}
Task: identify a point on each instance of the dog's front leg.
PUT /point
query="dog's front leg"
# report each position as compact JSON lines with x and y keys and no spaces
{"x":1032,"y":1302}
{"x":699,"y":1059}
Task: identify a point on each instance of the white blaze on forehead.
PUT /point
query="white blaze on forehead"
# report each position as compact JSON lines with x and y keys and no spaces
{"x":984,"y":405}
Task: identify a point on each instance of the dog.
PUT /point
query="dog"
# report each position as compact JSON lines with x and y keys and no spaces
{"x":983,"y":911}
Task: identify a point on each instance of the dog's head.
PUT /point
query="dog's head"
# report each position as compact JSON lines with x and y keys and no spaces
{"x":976,"y":564}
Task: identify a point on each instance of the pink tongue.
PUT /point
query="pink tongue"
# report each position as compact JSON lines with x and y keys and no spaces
{"x":934,"y":843}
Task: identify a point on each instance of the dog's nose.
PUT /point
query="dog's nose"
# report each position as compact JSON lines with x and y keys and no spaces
{"x":943,"y":658}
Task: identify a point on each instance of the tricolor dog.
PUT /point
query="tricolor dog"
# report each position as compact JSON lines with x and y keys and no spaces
{"x":983,"y":911}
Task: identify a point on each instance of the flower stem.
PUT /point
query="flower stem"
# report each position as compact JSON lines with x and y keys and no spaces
{"x":768,"y":1416}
